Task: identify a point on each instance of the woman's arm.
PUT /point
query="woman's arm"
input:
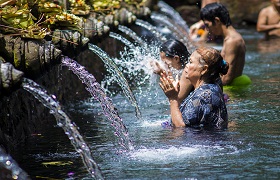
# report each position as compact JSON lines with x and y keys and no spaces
{"x":176,"y":115}
{"x":185,"y":87}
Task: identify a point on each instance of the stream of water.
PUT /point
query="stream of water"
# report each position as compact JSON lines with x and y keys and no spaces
{"x":65,"y":123}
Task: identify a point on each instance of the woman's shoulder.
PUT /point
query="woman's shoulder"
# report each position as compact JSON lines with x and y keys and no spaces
{"x":210,"y":89}
{"x":209,"y":93}
{"x":204,"y":91}
{"x":211,"y":86}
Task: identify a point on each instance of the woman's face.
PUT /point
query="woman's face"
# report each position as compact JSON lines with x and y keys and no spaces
{"x":171,"y":61}
{"x":194,"y":68}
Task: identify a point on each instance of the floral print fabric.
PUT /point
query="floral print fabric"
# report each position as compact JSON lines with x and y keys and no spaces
{"x":206,"y":107}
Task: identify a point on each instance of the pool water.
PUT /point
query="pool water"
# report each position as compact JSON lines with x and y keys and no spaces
{"x":249,"y":149}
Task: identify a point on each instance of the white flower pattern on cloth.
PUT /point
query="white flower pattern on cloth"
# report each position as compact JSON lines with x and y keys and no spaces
{"x":205,"y":106}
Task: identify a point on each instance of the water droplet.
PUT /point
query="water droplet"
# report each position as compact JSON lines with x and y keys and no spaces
{"x":53,"y":96}
{"x":8,"y":163}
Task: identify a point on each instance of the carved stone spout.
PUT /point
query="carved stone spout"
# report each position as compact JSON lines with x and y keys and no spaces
{"x":31,"y":56}
{"x":9,"y":77}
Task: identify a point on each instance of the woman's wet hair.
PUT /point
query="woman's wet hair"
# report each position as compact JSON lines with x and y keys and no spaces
{"x":173,"y":47}
{"x":216,"y":65}
{"x":212,"y":10}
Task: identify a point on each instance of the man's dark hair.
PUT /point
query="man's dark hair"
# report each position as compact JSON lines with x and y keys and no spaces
{"x":212,"y":10}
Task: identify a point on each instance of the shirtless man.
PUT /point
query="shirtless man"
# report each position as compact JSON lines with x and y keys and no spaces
{"x":269,"y":20}
{"x":217,"y":20}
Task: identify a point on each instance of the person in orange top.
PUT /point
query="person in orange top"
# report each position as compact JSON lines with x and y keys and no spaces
{"x":197,"y":29}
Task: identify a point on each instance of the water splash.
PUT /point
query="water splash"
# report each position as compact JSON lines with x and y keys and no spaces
{"x":98,"y":94}
{"x":134,"y":63}
{"x":151,"y":28}
{"x":143,"y":58}
{"x":9,"y":169}
{"x":176,"y":30}
{"x":134,"y":53}
{"x":136,"y":66}
{"x":171,"y":12}
{"x":113,"y":68}
{"x":163,"y":154}
{"x":65,"y":123}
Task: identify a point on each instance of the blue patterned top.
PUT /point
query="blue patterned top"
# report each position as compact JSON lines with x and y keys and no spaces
{"x":205,"y":106}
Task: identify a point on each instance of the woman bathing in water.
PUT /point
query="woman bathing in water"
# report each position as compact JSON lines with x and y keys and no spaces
{"x":175,"y":55}
{"x":205,"y":106}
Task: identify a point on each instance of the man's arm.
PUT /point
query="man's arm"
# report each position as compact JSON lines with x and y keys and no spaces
{"x":262,"y":25}
{"x":232,"y":54}
{"x":205,"y":2}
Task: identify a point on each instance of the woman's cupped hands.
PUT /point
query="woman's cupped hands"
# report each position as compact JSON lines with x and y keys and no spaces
{"x":169,"y":85}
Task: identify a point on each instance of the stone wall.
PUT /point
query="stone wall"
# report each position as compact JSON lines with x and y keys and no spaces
{"x":23,"y":116}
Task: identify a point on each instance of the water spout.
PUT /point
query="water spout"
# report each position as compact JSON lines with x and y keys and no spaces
{"x":113,"y":68}
{"x":9,"y":77}
{"x":98,"y":94}
{"x":65,"y":123}
{"x":9,"y":169}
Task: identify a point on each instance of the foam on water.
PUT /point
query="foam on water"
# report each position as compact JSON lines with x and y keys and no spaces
{"x":56,"y":155}
{"x":175,"y":154}
{"x":156,"y":123}
{"x":170,"y":154}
